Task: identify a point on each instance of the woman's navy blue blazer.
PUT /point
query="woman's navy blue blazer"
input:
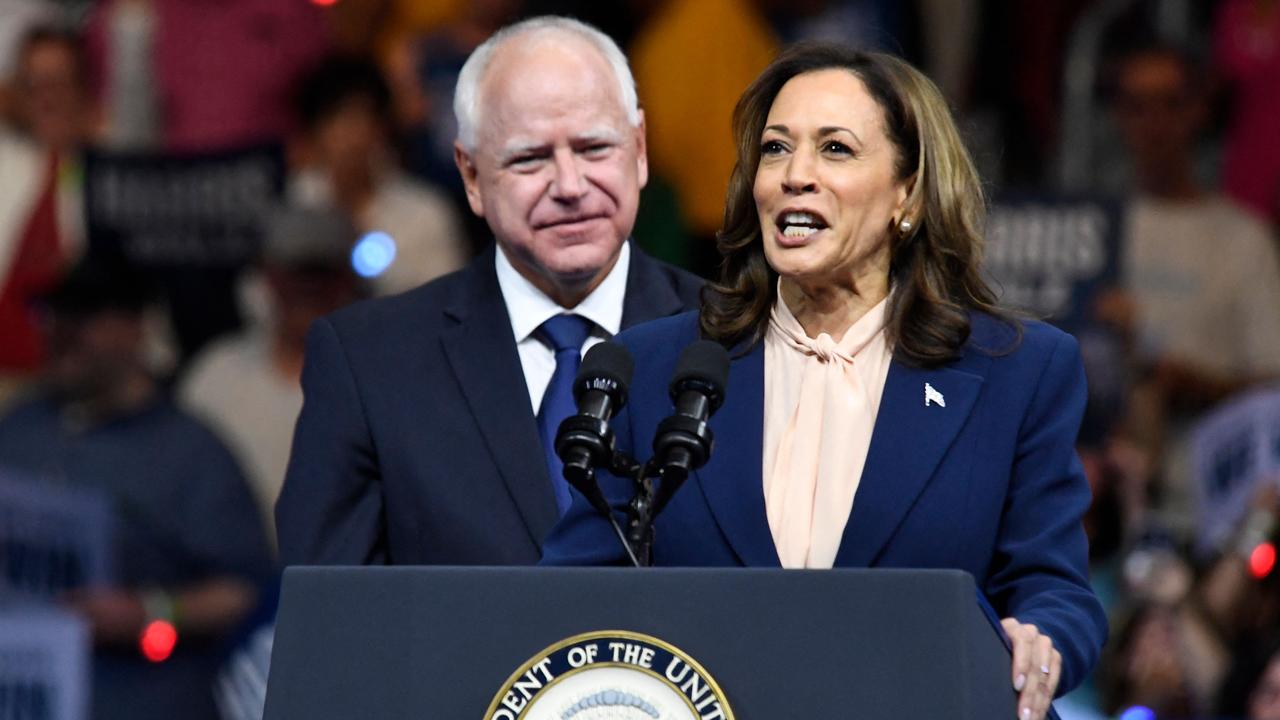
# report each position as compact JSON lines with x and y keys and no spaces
{"x":986,"y":481}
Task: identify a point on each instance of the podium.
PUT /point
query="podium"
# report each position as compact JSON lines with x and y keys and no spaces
{"x":473,"y":644}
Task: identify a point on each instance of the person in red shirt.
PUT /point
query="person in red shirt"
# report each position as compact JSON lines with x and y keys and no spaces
{"x":40,"y":220}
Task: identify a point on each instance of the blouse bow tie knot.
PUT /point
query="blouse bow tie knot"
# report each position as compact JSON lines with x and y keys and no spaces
{"x":824,"y":347}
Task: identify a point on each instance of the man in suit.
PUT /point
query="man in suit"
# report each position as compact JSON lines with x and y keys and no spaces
{"x":424,"y":430}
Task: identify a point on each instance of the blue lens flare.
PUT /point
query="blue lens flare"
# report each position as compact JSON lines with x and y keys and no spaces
{"x":1137,"y":712}
{"x":373,"y":254}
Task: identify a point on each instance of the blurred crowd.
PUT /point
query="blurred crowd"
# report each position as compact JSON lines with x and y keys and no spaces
{"x":105,"y":384}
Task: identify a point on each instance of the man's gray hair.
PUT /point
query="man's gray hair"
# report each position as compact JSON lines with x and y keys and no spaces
{"x":466,"y":98}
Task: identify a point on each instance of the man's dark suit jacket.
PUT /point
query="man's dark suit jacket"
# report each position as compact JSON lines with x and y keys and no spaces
{"x":416,"y":443}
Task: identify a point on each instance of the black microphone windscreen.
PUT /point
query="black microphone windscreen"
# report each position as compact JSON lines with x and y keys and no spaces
{"x":705,"y":362}
{"x":607,"y":366}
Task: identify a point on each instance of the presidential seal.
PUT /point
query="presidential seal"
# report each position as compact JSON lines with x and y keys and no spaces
{"x":610,"y":675}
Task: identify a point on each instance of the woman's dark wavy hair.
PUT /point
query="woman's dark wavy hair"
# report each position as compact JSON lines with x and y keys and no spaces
{"x":934,"y":270}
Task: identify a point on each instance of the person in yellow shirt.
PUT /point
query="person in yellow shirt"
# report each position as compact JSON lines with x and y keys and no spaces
{"x":688,"y":87}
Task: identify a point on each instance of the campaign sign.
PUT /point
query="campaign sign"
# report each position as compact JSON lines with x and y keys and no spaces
{"x":1234,"y":450}
{"x":44,"y":665}
{"x":186,"y":211}
{"x":53,"y":538}
{"x":195,"y":220}
{"x":1049,"y":256}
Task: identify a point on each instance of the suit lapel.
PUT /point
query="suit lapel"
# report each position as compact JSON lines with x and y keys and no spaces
{"x":650,"y":293}
{"x":909,"y":441}
{"x":732,"y":482}
{"x":482,"y":353}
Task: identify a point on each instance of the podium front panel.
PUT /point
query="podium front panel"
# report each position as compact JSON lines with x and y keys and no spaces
{"x":417,"y":643}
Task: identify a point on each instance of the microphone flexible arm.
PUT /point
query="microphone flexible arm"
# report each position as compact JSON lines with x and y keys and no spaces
{"x":648,"y":500}
{"x":682,"y":443}
{"x":638,"y":539}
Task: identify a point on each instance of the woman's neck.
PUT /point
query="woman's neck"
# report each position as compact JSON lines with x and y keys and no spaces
{"x":832,"y":308}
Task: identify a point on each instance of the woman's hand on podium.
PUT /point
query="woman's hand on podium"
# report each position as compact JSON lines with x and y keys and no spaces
{"x":1036,"y":668}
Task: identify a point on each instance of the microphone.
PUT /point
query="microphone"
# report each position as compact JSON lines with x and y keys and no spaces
{"x":684,"y":441}
{"x":585,"y":441}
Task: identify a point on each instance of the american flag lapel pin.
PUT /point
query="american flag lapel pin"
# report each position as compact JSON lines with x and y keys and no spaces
{"x":932,"y":396}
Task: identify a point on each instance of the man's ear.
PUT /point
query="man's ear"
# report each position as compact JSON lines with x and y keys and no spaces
{"x":642,"y":151}
{"x":467,"y":169}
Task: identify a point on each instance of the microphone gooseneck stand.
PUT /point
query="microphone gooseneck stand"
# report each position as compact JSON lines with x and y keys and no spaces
{"x":594,"y":440}
{"x":653,"y":486}
{"x":682,"y":443}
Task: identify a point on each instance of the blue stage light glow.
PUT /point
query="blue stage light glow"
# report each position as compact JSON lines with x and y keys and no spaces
{"x":373,"y":254}
{"x":1138,"y":712}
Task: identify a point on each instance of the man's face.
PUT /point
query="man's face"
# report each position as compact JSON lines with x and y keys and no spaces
{"x":302,"y":294}
{"x":92,"y":353}
{"x":51,"y":98}
{"x":557,"y":170}
{"x":1157,"y":112}
{"x":350,"y":138}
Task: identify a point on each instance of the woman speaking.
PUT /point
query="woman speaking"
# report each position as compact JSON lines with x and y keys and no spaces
{"x":881,"y":411}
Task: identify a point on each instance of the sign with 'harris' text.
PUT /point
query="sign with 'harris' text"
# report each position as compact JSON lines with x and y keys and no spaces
{"x":181,"y":211}
{"x":1049,"y":256}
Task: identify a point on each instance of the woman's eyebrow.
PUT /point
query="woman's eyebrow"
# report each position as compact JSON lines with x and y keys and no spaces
{"x":825,"y":130}
{"x":832,"y":129}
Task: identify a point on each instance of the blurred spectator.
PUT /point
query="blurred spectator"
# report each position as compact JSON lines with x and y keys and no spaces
{"x":345,"y":161}
{"x":432,"y":64}
{"x":1202,"y":275}
{"x":1264,"y":701}
{"x":1188,"y":640}
{"x":1118,"y":473}
{"x":189,"y":543}
{"x":1243,"y":597}
{"x":17,"y":18}
{"x":40,"y":207}
{"x":1146,"y":666}
{"x":424,"y":71}
{"x":1021,"y":52}
{"x":1175,"y":644}
{"x":949,"y":47}
{"x":619,"y":20}
{"x":196,"y":76}
{"x":1260,"y":699}
{"x":871,"y":24}
{"x":52,"y":106}
{"x":1247,"y":49}
{"x":248,"y":386}
{"x":1252,"y":691}
{"x":378,"y":27}
{"x":688,"y":88}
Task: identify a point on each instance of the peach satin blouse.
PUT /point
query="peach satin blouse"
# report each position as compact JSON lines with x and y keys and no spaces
{"x":820,"y":403}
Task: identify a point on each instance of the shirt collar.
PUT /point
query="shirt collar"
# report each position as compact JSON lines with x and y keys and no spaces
{"x":529,"y":307}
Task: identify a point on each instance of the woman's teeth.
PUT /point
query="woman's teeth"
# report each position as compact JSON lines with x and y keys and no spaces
{"x":800,"y":224}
